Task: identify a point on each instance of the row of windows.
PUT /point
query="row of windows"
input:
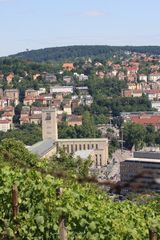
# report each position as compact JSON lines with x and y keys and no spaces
{"x":77,"y":147}
{"x":98,"y":160}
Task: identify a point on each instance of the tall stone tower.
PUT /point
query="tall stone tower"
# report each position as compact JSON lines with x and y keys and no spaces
{"x":49,"y":124}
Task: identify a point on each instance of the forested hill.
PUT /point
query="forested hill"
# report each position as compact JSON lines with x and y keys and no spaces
{"x":72,"y":52}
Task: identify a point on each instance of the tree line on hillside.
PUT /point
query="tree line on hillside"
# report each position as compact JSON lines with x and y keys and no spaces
{"x":72,"y":52}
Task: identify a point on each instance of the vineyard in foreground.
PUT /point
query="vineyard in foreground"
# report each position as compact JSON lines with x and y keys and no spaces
{"x":89,"y":213}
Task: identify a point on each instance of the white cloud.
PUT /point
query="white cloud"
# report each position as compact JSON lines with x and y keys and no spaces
{"x":94,"y":13}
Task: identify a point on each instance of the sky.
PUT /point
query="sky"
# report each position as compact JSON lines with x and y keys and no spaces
{"x":35,"y":24}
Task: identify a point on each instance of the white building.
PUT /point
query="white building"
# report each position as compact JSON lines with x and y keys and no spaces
{"x":154,"y":77}
{"x":61,"y":89}
{"x":153,"y":94}
{"x":156,"y":105}
{"x":86,"y":100}
{"x":83,"y":77}
{"x":41,"y":91}
{"x":5,"y":125}
{"x":143,"y":77}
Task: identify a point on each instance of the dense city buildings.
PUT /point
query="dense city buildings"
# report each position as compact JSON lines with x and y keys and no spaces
{"x":141,"y":173}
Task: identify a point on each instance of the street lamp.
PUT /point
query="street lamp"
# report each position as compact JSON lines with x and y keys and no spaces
{"x":122,"y":139}
{"x":110,"y":117}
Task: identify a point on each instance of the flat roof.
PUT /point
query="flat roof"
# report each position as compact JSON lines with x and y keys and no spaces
{"x":51,"y":87}
{"x":83,"y":140}
{"x":149,"y":160}
{"x":42,"y":147}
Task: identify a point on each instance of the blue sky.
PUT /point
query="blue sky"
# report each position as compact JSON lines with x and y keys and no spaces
{"x":34,"y":24}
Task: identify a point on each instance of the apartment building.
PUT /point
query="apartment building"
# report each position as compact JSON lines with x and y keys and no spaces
{"x":141,"y":173}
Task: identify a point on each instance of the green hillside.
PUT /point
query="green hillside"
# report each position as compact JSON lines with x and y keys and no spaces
{"x":72,"y":52}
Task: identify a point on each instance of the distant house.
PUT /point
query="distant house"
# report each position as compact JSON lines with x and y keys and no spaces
{"x":24,"y":118}
{"x":7,"y":116}
{"x":132,"y":93}
{"x":82,"y":90}
{"x":74,"y":120}
{"x":10,"y":77}
{"x":50,"y":77}
{"x":132,"y":70}
{"x":45,"y":99}
{"x":156,"y":105}
{"x":31,"y":93}
{"x":68,"y":66}
{"x":132,"y":77}
{"x":154,"y":77}
{"x":146,"y":120}
{"x":121,"y":76}
{"x":67,"y":79}
{"x":41,"y":91}
{"x":86,"y":100}
{"x":67,"y":107}
{"x":134,"y":86}
{"x":29,"y":100}
{"x":137,"y":93}
{"x":143,"y":77}
{"x":36,"y":76}
{"x":5,"y":125}
{"x":37,"y":110}
{"x":13,"y":95}
{"x":36,"y":118}
{"x":25,"y":113}
{"x":61,"y":89}
{"x":4,"y":102}
{"x":83,"y":77}
{"x":153,"y":94}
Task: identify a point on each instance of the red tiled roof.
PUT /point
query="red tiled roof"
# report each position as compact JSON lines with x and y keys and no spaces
{"x":68,"y":65}
{"x":74,"y":118}
{"x":137,"y":91}
{"x":29,"y":98}
{"x":4,"y":121}
{"x":8,"y":108}
{"x":24,"y":119}
{"x":36,"y":116}
{"x":152,"y":91}
{"x":132,"y":69}
{"x":7,"y":114}
{"x":145,"y":120}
